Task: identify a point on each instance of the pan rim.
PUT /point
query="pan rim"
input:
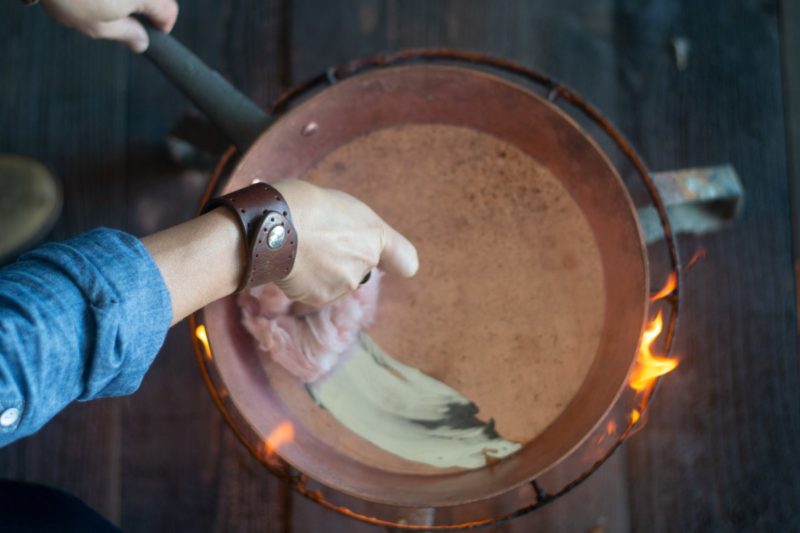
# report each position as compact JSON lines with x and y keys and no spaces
{"x":645,"y":292}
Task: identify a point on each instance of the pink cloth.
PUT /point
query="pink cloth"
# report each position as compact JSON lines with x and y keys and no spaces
{"x":309,"y":346}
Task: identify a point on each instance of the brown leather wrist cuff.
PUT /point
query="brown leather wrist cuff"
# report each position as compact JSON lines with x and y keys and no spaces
{"x":269,"y":236}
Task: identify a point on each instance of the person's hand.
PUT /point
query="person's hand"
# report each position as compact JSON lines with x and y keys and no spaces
{"x":111,"y":19}
{"x":340,"y":241}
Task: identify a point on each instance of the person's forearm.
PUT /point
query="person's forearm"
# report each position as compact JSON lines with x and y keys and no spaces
{"x":83,"y":319}
{"x":200,"y":260}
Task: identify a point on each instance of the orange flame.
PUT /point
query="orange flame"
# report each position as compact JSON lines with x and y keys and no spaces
{"x":202,"y":336}
{"x":610,"y":430}
{"x":282,"y":434}
{"x":698,"y":255}
{"x":650,"y":366}
{"x":669,"y":286}
{"x":635,"y":416}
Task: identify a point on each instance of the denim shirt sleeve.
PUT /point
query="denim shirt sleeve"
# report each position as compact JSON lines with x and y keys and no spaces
{"x":81,"y":319}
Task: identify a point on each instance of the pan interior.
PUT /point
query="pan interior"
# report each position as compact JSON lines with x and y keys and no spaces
{"x":532,"y":288}
{"x":507,"y":307}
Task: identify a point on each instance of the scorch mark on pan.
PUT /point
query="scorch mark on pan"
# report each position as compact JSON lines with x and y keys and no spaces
{"x":408,"y":413}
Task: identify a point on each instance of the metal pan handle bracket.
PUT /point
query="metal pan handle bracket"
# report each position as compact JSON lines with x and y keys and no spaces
{"x":698,"y":201}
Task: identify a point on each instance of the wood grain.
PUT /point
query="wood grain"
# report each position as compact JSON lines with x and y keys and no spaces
{"x":57,"y":106}
{"x":719,"y":453}
{"x":790,"y":56}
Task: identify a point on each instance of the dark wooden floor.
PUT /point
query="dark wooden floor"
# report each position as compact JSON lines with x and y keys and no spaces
{"x":720,"y":452}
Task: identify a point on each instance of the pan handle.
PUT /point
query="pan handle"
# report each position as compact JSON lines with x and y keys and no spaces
{"x":239,"y":118}
{"x":698,"y":200}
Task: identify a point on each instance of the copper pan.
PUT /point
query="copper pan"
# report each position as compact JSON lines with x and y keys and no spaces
{"x":533,"y":288}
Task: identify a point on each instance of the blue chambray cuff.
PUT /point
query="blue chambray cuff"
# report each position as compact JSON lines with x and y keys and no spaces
{"x":133,"y":312}
{"x":128,"y":303}
{"x":81,"y":319}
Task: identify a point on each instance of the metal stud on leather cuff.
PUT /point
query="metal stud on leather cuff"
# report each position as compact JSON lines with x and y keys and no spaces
{"x":269,"y":236}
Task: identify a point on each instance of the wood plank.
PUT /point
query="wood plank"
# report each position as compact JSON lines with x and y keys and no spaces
{"x":790,"y":55}
{"x":719,"y":453}
{"x":62,"y":101}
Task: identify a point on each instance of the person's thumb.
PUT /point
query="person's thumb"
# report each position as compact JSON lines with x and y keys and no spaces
{"x":126,"y":30}
{"x":398,"y":256}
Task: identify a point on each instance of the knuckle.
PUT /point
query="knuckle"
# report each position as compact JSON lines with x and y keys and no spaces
{"x":371,"y":257}
{"x":323,"y":297}
{"x":347,"y":282}
{"x":382,"y":236}
{"x":171,"y":9}
{"x":353,"y":284}
{"x":379,"y":244}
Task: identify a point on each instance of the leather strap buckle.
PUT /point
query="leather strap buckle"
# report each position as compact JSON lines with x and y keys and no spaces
{"x":269,"y":235}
